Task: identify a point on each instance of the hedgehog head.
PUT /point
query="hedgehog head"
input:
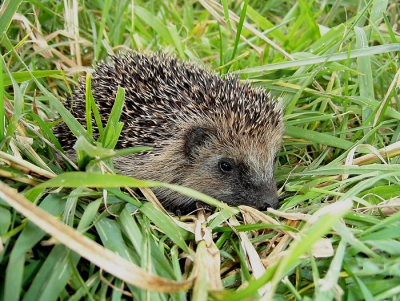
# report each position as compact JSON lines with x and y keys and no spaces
{"x":228,"y":154}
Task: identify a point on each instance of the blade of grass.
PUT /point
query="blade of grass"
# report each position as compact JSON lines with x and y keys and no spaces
{"x":358,"y":53}
{"x":315,"y":137}
{"x":18,"y":105}
{"x":365,"y":77}
{"x":265,"y":24}
{"x":156,"y":24}
{"x":326,"y":289}
{"x":28,"y":238}
{"x":175,"y":233}
{"x":20,"y":77}
{"x":2,"y":111}
{"x":81,"y":179}
{"x":53,"y":275}
{"x":7,"y":11}
{"x":238,"y":31}
{"x":99,"y":38}
{"x":114,"y":127}
{"x":89,"y":106}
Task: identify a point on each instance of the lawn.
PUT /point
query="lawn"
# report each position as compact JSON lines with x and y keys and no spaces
{"x":73,"y":229}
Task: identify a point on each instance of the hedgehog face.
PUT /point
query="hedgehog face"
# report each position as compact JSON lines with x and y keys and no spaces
{"x":236,"y":182}
{"x":227,"y":174}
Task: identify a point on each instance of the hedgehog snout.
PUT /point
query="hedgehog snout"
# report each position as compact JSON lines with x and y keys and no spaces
{"x":267,"y":197}
{"x":271,"y":201}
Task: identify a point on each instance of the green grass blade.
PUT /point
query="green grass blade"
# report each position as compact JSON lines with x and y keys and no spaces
{"x":239,"y":30}
{"x":114,"y":127}
{"x":28,"y":238}
{"x":319,"y":138}
{"x":365,"y":70}
{"x":112,"y":239}
{"x":99,"y":38}
{"x":86,"y":179}
{"x":327,"y":289}
{"x":2,"y":106}
{"x":175,"y":233}
{"x":154,"y":23}
{"x":20,"y":77}
{"x":266,"y":25}
{"x":358,"y":53}
{"x":7,"y":11}
{"x":54,"y":275}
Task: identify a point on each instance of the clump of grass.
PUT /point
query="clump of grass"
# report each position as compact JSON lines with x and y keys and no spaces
{"x":84,"y":235}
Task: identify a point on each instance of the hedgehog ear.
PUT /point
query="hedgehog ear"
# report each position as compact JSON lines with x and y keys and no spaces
{"x":195,"y":138}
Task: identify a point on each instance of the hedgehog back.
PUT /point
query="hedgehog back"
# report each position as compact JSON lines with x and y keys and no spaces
{"x":159,"y":90}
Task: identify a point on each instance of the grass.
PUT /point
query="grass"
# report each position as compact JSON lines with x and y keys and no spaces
{"x":85,"y":235}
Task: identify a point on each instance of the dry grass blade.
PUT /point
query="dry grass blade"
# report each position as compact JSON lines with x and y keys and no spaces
{"x":72,"y":27}
{"x":391,"y":207}
{"x":208,"y":258}
{"x":389,"y":151}
{"x":41,"y":45}
{"x":253,"y":259}
{"x":322,"y":248}
{"x":24,"y":166}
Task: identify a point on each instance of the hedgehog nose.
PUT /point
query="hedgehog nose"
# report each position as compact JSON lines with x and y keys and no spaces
{"x":269,"y":197}
{"x":270,"y":202}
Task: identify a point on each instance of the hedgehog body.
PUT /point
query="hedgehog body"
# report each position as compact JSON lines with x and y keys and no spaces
{"x":217,"y":136}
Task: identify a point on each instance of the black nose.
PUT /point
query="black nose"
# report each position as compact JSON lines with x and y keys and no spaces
{"x":271,"y":202}
{"x":267,"y":196}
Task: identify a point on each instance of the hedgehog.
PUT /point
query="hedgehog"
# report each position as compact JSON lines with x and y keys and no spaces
{"x":214,"y":134}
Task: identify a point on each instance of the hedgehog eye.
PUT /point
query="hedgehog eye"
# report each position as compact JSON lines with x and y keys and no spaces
{"x":225,"y":165}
